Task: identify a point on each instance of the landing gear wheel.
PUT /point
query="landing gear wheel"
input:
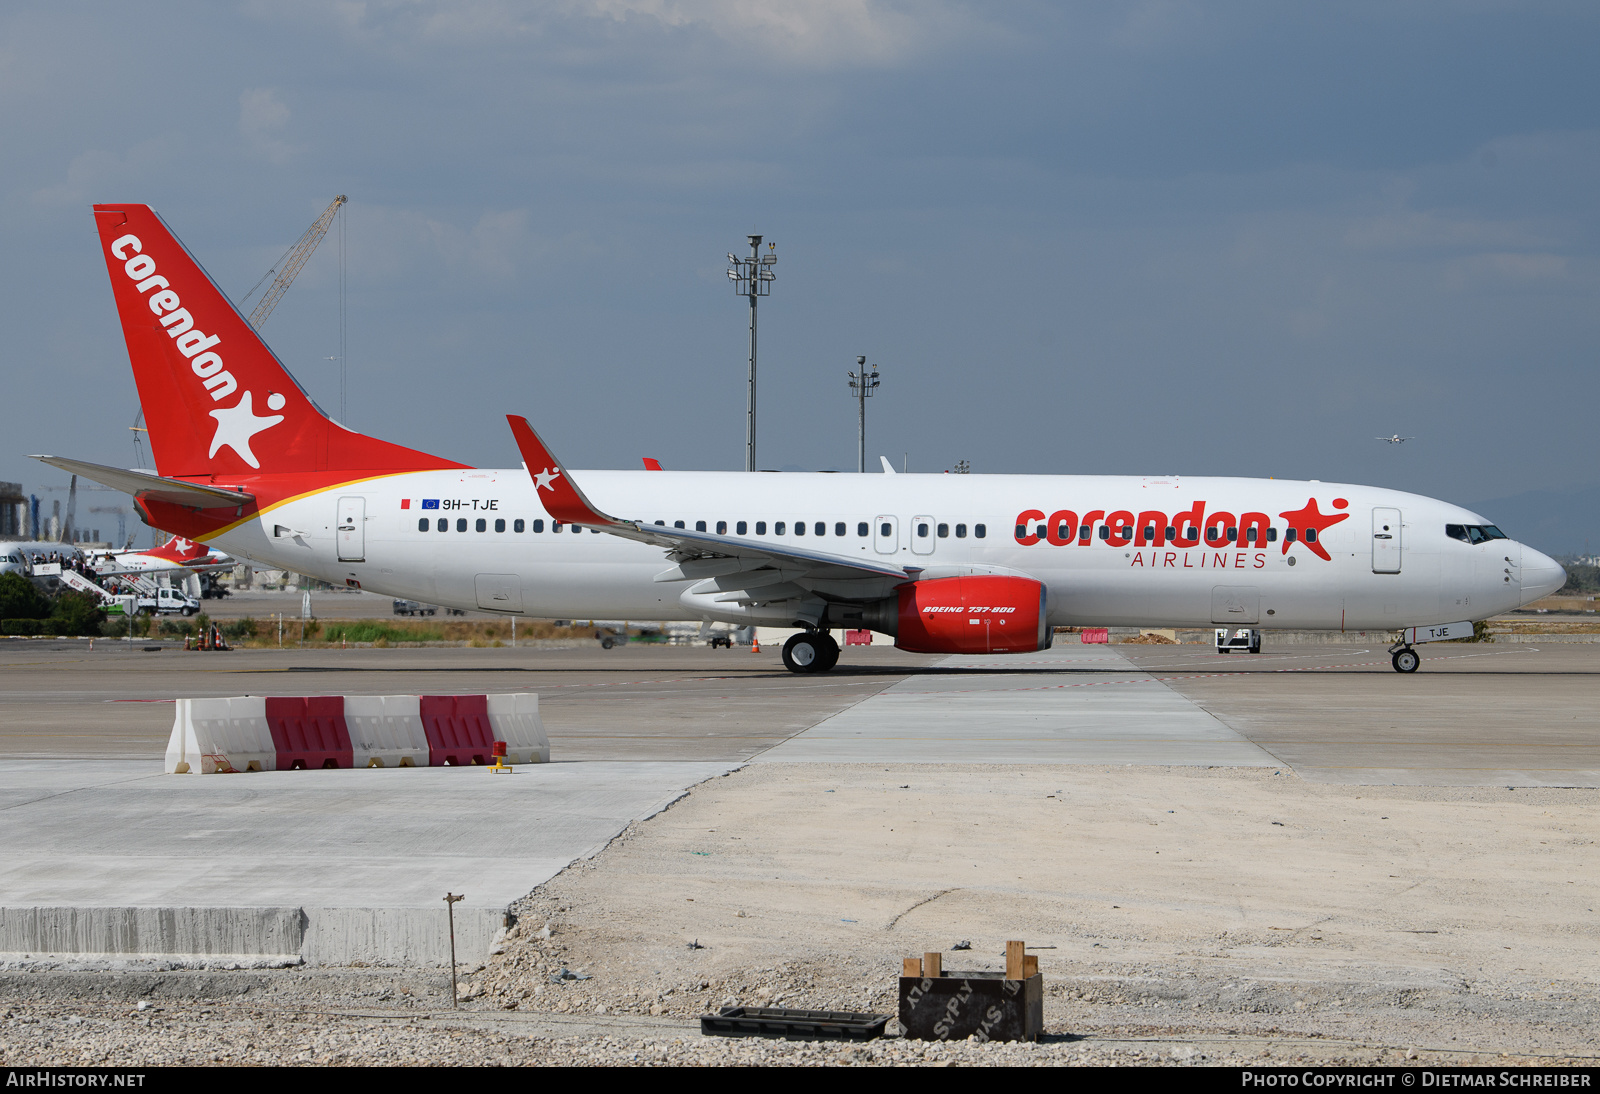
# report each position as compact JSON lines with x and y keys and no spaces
{"x":809,"y":651}
{"x":830,"y":651}
{"x":1406,"y":660}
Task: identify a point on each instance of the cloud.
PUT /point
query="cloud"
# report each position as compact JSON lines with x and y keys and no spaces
{"x":1430,"y":230}
{"x":262,"y":121}
{"x":398,"y":244}
{"x":91,"y":174}
{"x":809,"y":33}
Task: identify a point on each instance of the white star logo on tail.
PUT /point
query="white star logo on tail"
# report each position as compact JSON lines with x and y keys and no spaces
{"x":236,"y":426}
{"x":545,"y":478}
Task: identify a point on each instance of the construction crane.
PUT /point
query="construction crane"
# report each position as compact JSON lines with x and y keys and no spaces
{"x":289,"y":265}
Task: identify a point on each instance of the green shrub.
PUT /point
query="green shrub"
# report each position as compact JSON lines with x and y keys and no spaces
{"x":19,"y":599}
{"x":20,"y":626}
{"x":372,"y":631}
{"x":174,"y":628}
{"x":240,"y":628}
{"x":75,"y":613}
{"x":116,"y":626}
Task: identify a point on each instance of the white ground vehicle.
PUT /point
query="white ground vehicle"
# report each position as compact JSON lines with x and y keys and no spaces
{"x":1238,"y":638}
{"x":167,"y":601}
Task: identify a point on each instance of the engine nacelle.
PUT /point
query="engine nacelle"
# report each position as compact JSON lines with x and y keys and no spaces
{"x":983,"y":613}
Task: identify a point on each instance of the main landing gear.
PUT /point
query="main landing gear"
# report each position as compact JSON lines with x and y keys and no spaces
{"x":810,"y":651}
{"x":1404,"y":659}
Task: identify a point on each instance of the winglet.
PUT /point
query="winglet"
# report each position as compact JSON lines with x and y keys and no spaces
{"x":888,"y":468}
{"x":651,"y":464}
{"x":559,"y":494}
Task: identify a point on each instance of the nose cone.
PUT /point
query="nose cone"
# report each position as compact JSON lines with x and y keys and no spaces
{"x":1541,"y":575}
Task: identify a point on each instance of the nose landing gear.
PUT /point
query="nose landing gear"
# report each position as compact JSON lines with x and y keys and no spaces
{"x":1404,"y":659}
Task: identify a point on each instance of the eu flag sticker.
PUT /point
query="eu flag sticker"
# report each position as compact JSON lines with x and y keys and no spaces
{"x":430,"y":503}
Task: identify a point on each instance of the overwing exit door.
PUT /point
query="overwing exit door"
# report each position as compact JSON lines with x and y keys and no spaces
{"x":352,"y":529}
{"x":1386,"y":544}
{"x":886,"y":535}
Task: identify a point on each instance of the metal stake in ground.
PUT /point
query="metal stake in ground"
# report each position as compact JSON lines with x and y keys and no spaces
{"x":450,"y":900}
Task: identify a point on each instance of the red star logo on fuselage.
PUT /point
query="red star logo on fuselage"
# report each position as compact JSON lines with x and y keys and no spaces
{"x":1312,"y":517}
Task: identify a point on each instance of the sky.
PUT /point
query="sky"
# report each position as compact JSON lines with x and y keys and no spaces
{"x":1115,"y":238}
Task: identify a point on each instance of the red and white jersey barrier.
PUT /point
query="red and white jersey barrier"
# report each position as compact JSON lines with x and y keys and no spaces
{"x":278,"y":733}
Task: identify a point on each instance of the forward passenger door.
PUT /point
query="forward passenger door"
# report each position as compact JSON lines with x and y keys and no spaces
{"x":1386,"y":544}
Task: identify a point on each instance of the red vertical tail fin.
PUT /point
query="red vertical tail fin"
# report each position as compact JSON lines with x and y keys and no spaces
{"x":216,"y":400}
{"x":178,"y":549}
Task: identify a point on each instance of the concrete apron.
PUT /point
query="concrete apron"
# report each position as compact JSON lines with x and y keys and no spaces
{"x":105,"y":860}
{"x":1073,"y":704}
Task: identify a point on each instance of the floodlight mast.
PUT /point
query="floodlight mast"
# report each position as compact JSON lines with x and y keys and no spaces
{"x":752,"y":277}
{"x":861,"y":387}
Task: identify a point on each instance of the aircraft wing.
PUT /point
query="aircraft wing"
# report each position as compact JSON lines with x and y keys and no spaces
{"x":702,"y":554}
{"x":144,"y":484}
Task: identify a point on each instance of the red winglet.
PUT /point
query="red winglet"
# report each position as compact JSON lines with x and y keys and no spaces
{"x":559,"y":494}
{"x":651,"y":464}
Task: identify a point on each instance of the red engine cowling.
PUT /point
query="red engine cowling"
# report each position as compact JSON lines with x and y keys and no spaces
{"x":980,"y":614}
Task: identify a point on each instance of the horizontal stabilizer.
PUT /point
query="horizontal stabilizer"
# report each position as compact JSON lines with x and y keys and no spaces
{"x":145,"y":484}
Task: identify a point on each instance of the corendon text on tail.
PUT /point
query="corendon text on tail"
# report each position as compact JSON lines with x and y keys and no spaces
{"x":247,"y":463}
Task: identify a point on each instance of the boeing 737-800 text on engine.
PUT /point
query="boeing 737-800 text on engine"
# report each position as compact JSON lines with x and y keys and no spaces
{"x":944,"y":563}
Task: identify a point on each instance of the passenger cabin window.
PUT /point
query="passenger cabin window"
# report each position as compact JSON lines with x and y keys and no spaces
{"x":677,"y":524}
{"x":944,"y":531}
{"x":1311,"y":535}
{"x":1288,"y":535}
{"x":838,"y":529}
{"x":1272,"y":535}
{"x":1063,"y":531}
{"x":461,"y":524}
{"x":778,"y":527}
{"x":482,"y":525}
{"x":886,"y":529}
{"x":699,"y":526}
{"x":821,"y":529}
{"x":961,"y":531}
{"x":741,"y":528}
{"x":1233,"y":535}
{"x":1105,"y":533}
{"x":799,"y":527}
{"x":443,"y":524}
{"x":518,"y":525}
{"x":761,"y":527}
{"x":555,"y":526}
{"x":538,"y":526}
{"x":922,"y":531}
{"x":422,"y":525}
{"x":861,"y":528}
{"x":722,"y":527}
{"x":499,"y":525}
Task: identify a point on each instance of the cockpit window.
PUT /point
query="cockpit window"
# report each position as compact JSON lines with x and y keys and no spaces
{"x":1473,"y":533}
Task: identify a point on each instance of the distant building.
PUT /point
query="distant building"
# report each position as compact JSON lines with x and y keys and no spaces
{"x":13,"y":511}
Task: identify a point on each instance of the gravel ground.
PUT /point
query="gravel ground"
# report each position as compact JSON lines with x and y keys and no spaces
{"x":1455,"y":933}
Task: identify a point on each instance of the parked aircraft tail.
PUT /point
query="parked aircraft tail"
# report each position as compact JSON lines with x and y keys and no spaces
{"x":216,"y":400}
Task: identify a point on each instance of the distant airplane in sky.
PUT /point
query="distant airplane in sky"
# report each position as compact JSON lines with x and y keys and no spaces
{"x":1396,"y":439}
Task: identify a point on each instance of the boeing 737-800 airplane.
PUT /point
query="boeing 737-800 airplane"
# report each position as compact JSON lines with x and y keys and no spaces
{"x":944,"y":563}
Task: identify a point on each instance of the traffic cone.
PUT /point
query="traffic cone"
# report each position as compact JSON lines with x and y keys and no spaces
{"x":755,"y":644}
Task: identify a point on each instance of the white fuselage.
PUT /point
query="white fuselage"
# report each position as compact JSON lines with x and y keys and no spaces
{"x":395,"y":546}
